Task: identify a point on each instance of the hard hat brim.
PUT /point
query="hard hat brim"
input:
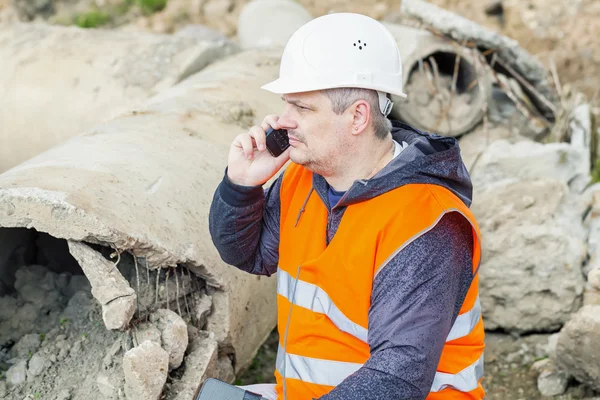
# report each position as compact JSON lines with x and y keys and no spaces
{"x":284,"y":86}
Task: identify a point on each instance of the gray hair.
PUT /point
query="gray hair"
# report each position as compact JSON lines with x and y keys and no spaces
{"x":342,"y":98}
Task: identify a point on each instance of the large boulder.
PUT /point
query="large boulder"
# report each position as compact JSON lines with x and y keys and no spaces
{"x":534,"y":244}
{"x":533,"y":249}
{"x":578,"y":347}
{"x":527,"y":159}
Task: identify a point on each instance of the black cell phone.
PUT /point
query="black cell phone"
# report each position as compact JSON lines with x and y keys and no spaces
{"x":277,"y":141}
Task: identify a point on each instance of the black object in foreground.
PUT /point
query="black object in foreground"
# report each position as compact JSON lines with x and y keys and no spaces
{"x":214,"y":389}
{"x":277,"y":141}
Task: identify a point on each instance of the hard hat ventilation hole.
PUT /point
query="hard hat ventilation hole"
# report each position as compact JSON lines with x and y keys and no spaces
{"x":360,"y":45}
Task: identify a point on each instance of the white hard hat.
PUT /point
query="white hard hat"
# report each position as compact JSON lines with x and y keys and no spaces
{"x":341,"y":50}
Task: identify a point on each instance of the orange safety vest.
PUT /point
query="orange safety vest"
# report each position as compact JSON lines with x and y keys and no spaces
{"x":324,"y":291}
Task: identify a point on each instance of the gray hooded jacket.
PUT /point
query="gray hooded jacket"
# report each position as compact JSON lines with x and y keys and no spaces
{"x":416,"y":296}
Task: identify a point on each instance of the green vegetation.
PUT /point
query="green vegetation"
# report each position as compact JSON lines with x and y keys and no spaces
{"x":111,"y":14}
{"x":596,"y":172}
{"x":92,"y":19}
{"x":151,"y":6}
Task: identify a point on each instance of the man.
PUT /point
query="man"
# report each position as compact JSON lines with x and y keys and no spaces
{"x":368,"y":228}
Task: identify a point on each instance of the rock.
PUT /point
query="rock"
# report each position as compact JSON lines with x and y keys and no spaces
{"x":109,"y":287}
{"x":105,"y":387}
{"x":473,"y":144}
{"x":533,"y":247}
{"x":79,"y":305}
{"x":148,"y":332}
{"x":264,"y":23}
{"x":578,"y":347}
{"x":174,"y":335}
{"x":203,"y":305}
{"x":551,"y":381}
{"x":37,"y":365}
{"x":17,"y":374}
{"x":29,"y":10}
{"x":591,"y":296}
{"x":527,"y":160}
{"x":118,"y":313}
{"x":8,"y":307}
{"x":198,"y":31}
{"x":594,"y":278}
{"x":551,"y":346}
{"x":26,"y":346}
{"x":64,"y":394}
{"x":200,"y":364}
{"x":540,"y":365}
{"x":3,"y":389}
{"x":580,"y":127}
{"x":36,"y":285}
{"x":145,"y":368}
{"x":109,"y":359}
{"x":76,"y":284}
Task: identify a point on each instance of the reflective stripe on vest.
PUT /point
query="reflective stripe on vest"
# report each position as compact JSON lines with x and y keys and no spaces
{"x":314,"y":370}
{"x":332,"y":373}
{"x":314,"y":298}
{"x":465,"y":381}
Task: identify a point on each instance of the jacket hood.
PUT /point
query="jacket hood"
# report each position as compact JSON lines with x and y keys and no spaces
{"x":428,"y":158}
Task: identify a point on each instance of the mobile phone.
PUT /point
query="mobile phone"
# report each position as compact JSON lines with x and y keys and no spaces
{"x":277,"y":141}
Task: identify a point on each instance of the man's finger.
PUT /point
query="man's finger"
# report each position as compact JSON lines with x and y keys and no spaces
{"x":259,"y":136}
{"x":247,"y":144}
{"x":270,"y":121}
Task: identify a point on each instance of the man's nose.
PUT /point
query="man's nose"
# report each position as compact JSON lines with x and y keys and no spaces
{"x":286,"y":122}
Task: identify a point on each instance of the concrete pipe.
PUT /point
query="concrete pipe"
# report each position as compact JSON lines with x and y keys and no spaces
{"x":432,"y":66}
{"x":57,"y":82}
{"x":141,"y":185}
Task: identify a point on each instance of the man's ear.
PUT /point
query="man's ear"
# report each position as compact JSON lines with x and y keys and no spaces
{"x":361,"y":115}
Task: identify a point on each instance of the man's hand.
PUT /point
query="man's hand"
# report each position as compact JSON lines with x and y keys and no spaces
{"x":249,"y":162}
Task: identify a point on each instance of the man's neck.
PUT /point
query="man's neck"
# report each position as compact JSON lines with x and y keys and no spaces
{"x":365,"y":164}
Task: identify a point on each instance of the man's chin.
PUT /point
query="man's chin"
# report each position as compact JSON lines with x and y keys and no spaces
{"x":296,"y":157}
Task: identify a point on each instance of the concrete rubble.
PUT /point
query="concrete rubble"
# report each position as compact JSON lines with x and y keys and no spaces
{"x":145,"y":368}
{"x":578,"y":347}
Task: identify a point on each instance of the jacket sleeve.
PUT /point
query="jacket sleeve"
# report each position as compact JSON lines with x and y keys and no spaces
{"x":415,"y":299}
{"x":244,"y":226}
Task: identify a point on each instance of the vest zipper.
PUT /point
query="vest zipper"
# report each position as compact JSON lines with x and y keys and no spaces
{"x":287,"y":327}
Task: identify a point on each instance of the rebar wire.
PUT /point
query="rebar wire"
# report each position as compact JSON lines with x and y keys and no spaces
{"x":167,"y":287}
{"x":177,"y":291}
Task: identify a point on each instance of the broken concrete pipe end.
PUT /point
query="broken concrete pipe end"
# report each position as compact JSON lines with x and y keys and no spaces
{"x":447,"y":87}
